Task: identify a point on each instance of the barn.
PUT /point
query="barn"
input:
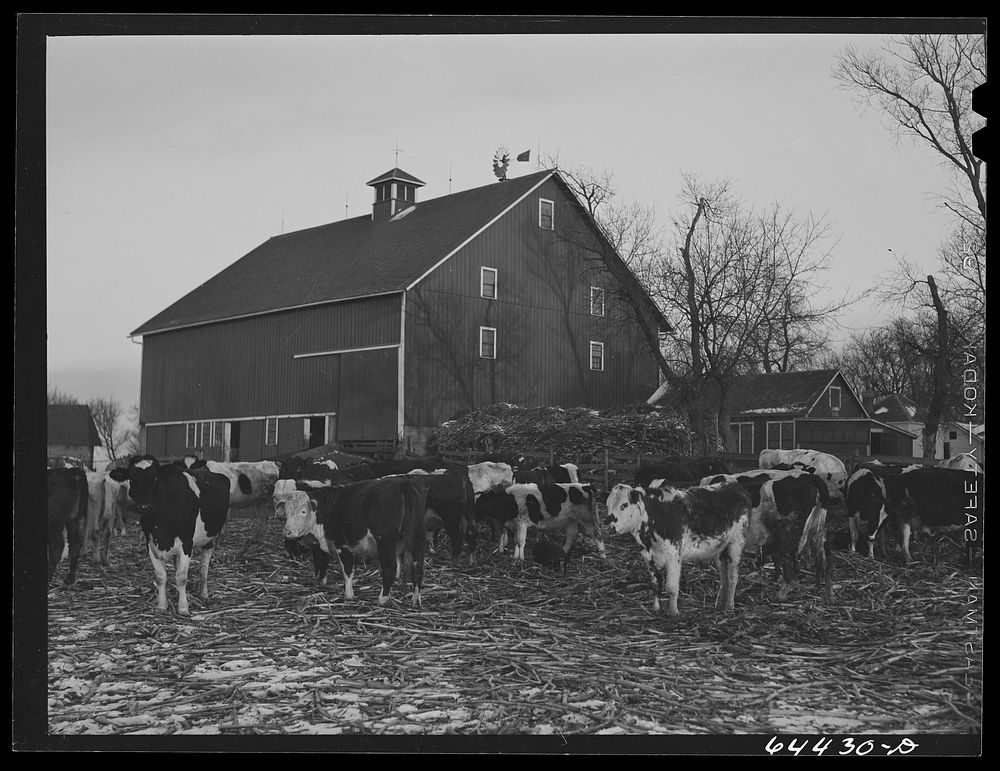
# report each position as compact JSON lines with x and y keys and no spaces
{"x":72,"y":433}
{"x":373,"y":330}
{"x":817,"y":409}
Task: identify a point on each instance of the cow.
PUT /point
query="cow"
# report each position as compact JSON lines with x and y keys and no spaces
{"x":553,"y":507}
{"x":251,"y":486}
{"x":106,"y":507}
{"x":67,"y":517}
{"x":489,"y":475}
{"x":550,"y":555}
{"x":965,"y":461}
{"x":787,"y":521}
{"x":564,"y":473}
{"x":697,"y":466}
{"x":829,"y":468}
{"x":673,"y":474}
{"x":538,"y":475}
{"x":872,"y":491}
{"x":450,"y":504}
{"x":181,"y":513}
{"x":940,"y":499}
{"x":381,"y":516}
{"x":385,"y":468}
{"x":673,"y":526}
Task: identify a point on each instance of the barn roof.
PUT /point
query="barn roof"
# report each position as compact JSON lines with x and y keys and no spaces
{"x":356,"y":257}
{"x":896,"y":408}
{"x":780,"y":393}
{"x":72,"y":424}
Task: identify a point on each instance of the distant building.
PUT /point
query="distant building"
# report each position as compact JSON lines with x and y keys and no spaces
{"x":813,"y":409}
{"x":372,"y":331}
{"x":72,"y":433}
{"x":953,"y":438}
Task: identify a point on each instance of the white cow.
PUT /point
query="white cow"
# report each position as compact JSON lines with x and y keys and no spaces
{"x":490,"y":476}
{"x":829,"y":468}
{"x":251,"y":486}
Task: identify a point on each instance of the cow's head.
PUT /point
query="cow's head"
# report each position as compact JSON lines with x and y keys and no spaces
{"x":299,"y":511}
{"x":142,"y":476}
{"x":626,"y":508}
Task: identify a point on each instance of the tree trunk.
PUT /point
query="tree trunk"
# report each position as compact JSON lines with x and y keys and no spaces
{"x":696,"y":412}
{"x":728,"y":437}
{"x":942,"y":377}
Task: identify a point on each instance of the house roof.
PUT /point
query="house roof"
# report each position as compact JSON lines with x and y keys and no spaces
{"x":352,"y":258}
{"x":356,"y":257}
{"x":896,"y":408}
{"x":780,"y":393}
{"x":72,"y":424}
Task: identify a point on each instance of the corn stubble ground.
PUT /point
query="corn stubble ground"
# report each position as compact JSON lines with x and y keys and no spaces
{"x":500,"y":648}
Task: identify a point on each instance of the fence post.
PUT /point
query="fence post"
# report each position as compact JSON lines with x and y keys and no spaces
{"x":606,"y":471}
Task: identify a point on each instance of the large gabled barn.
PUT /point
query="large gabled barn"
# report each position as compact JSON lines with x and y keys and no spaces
{"x":376,"y":329}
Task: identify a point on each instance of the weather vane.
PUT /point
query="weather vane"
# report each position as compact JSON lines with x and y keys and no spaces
{"x":501,"y":159}
{"x":397,"y":151}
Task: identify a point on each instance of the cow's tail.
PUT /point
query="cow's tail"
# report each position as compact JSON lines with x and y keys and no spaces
{"x":813,"y":538}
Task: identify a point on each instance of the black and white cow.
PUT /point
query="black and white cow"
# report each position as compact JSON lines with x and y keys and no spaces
{"x":563,"y":473}
{"x":829,"y":468}
{"x":251,"y":486}
{"x":872,"y":492}
{"x":940,"y":499}
{"x":383,"y":517}
{"x":568,"y":507}
{"x":181,"y":513}
{"x":67,"y":517}
{"x":450,"y":504}
{"x":489,"y":475}
{"x":673,"y":526}
{"x":106,"y":510}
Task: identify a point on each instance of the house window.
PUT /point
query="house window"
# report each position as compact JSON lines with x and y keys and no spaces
{"x":953,"y":434}
{"x":834,"y":397}
{"x":744,"y":437}
{"x":488,"y":283}
{"x":596,"y":301}
{"x":597,"y":356}
{"x":780,"y":434}
{"x":546,"y":214}
{"x":192,"y":435}
{"x":271,"y":431}
{"x":488,"y":342}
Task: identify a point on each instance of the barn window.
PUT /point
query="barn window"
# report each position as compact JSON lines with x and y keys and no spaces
{"x":780,"y":434}
{"x":744,"y":437}
{"x":834,"y":397}
{"x":488,"y":283}
{"x":596,"y":301}
{"x":597,"y":356}
{"x":546,"y":214}
{"x":488,"y":342}
{"x":192,"y":435}
{"x":271,"y":431}
{"x":217,"y":433}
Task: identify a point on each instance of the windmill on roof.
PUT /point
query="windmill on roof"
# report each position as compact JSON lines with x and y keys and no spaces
{"x":501,"y":160}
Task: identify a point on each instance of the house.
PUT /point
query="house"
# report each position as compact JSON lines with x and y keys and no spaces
{"x":814,"y":409}
{"x":72,"y":433}
{"x":953,"y":438}
{"x":372,"y":331}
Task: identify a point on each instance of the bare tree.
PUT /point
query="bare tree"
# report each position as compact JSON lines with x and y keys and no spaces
{"x":923,"y":85}
{"x":107,"y":412}
{"x":58,"y":397}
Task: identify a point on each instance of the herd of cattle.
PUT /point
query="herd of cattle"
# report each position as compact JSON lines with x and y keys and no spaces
{"x":679,"y":510}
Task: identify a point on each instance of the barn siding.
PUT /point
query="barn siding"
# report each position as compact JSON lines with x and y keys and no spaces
{"x":849,"y":406}
{"x":246,"y":367}
{"x":543,"y":322}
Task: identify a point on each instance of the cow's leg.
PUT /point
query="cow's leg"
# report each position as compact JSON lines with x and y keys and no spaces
{"x":417,"y":571}
{"x":57,"y":544}
{"x":469,"y":530}
{"x":519,"y":539}
{"x":729,"y":575}
{"x":572,"y":530}
{"x":107,"y":526}
{"x":390,"y":564}
{"x":907,"y":559}
{"x":347,"y":568}
{"x":160,"y":577}
{"x":503,"y":539}
{"x":180,"y":581}
{"x":656,"y":579}
{"x":672,"y":568}
{"x":205,"y":560}
{"x":75,"y":534}
{"x":260,"y":511}
{"x":853,"y":524}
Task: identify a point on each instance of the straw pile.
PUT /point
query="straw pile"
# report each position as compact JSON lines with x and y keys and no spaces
{"x":502,"y":648}
{"x":572,"y":433}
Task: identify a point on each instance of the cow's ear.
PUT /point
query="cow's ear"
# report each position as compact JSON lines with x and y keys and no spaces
{"x":279,"y":506}
{"x":635,"y":496}
{"x":313,"y":505}
{"x":118,"y":474}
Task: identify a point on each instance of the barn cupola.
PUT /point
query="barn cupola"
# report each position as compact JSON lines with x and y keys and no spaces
{"x":394,"y":191}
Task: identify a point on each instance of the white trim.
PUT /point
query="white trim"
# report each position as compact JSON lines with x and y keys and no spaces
{"x":494,"y":331}
{"x":854,"y":420}
{"x":553,"y":203}
{"x":462,"y":245}
{"x":840,"y":397}
{"x":591,"y":356}
{"x":482,"y":284}
{"x":263,"y":313}
{"x":237,"y":420}
{"x":346,"y":350}
{"x":267,"y":420}
{"x":601,"y":290}
{"x":857,"y":398}
{"x":401,"y":372}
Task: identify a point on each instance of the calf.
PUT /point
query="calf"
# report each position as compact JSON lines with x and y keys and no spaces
{"x":67,"y":517}
{"x":251,"y":486}
{"x":554,"y":507}
{"x":827,"y":467}
{"x":381,"y":516}
{"x":180,"y":512}
{"x":450,"y":503}
{"x":872,"y":491}
{"x":674,"y":526}
{"x":105,"y":514}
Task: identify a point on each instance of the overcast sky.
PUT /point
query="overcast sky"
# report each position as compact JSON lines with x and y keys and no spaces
{"x":169,"y":158}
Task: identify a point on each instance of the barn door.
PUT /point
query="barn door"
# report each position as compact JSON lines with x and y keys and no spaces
{"x":231,"y":442}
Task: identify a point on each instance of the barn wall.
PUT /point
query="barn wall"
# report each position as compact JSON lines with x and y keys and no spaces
{"x":842,"y":438}
{"x":543,"y":322}
{"x":849,"y":406}
{"x":246,"y":369}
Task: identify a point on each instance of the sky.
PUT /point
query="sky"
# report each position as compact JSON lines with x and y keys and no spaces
{"x":168,"y":158}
